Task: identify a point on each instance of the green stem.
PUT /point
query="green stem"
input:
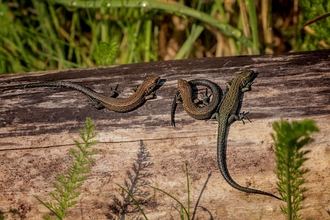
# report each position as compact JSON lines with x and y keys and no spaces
{"x":222,"y":12}
{"x":147,"y":47}
{"x":188,"y":187}
{"x":188,"y":44}
{"x":49,"y":29}
{"x":104,"y":26}
{"x":288,"y":185}
{"x":254,"y":26}
{"x":169,"y":7}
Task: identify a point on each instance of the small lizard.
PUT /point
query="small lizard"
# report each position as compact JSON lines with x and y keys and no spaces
{"x":229,"y":112}
{"x":185,"y":94}
{"x":144,"y":92}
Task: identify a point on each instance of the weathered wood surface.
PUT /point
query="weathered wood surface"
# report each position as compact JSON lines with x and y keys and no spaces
{"x":38,"y":127}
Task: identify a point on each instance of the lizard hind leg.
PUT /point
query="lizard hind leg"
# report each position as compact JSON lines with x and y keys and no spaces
{"x":240,"y":117}
{"x":205,"y":98}
{"x":96,"y":104}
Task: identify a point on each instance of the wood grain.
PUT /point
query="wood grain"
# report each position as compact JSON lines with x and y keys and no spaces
{"x":38,"y":127}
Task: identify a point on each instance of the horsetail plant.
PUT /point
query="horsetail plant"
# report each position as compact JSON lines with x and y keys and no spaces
{"x":289,"y":139}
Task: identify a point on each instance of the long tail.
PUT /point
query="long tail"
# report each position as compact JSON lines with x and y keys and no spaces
{"x":221,"y":154}
{"x":62,"y":84}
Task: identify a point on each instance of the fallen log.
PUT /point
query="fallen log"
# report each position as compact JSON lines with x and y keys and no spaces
{"x":38,"y":127}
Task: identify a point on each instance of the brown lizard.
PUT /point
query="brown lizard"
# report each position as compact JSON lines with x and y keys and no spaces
{"x":185,"y":94}
{"x":144,"y":92}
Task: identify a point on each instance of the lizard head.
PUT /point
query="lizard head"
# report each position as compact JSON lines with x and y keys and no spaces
{"x":246,"y":78}
{"x":149,"y":84}
{"x":184,"y":88}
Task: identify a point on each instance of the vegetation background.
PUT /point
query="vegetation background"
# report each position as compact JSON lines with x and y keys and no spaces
{"x":59,"y":34}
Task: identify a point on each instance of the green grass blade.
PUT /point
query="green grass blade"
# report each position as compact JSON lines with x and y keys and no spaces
{"x":186,"y":47}
{"x":181,"y":205}
{"x":254,"y":25}
{"x":134,"y":200}
{"x":318,"y":18}
{"x":188,"y":188}
{"x":147,"y":47}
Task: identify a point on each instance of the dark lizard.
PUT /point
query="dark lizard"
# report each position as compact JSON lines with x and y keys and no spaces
{"x":185,"y":95}
{"x":144,"y":92}
{"x":229,"y":112}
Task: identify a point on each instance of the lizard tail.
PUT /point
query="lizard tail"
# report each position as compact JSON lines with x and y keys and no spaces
{"x":61,"y":84}
{"x":221,"y":155}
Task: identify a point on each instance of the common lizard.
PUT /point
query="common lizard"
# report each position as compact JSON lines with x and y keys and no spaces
{"x":185,"y":94}
{"x":229,"y":112}
{"x":144,"y":92}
